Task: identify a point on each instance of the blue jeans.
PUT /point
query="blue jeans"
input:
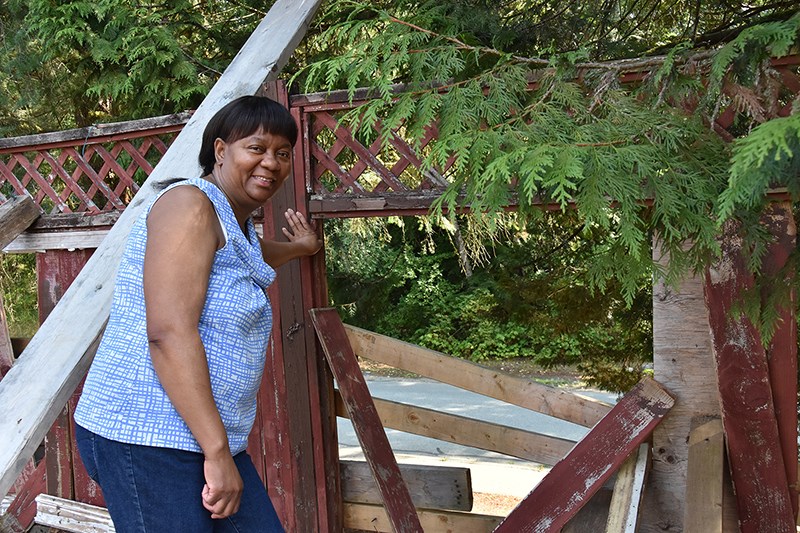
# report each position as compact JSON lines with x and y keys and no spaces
{"x":158,"y":490}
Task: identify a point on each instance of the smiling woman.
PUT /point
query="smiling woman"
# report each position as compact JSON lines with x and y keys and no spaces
{"x":171,"y":393}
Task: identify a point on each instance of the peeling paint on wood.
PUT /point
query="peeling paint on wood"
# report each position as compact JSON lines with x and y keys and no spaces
{"x":366,"y":422}
{"x":748,"y":414}
{"x":573,"y":481}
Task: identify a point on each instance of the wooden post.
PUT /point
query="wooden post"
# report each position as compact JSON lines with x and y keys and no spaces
{"x":746,"y":402}
{"x":782,"y":349}
{"x":76,"y":323}
{"x":66,"y":475}
{"x":300,"y":408}
{"x":683,"y":361}
{"x":6,"y":349}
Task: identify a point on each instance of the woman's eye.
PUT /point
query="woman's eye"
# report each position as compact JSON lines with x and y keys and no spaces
{"x":284,"y":154}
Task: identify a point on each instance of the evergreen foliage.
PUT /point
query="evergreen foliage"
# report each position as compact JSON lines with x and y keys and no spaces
{"x":621,"y":163}
{"x":100,"y":60}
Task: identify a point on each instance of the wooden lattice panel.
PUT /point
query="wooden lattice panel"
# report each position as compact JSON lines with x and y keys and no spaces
{"x":342,"y":163}
{"x":87,"y":171}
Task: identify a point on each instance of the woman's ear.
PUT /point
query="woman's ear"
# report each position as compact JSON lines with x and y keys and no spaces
{"x":219,"y":150}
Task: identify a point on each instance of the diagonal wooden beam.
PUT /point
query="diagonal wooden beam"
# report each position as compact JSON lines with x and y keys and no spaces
{"x":572,"y":482}
{"x":366,"y":422}
{"x":40,"y":383}
{"x":16,"y":215}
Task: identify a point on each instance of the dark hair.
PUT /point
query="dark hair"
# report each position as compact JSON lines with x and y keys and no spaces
{"x":242,"y":117}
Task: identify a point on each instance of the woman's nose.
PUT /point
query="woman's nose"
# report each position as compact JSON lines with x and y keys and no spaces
{"x":270,"y":161}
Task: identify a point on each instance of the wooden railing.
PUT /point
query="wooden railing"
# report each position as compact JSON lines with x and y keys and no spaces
{"x":88,"y":170}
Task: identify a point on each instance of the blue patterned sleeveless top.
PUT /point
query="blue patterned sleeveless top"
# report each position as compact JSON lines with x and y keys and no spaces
{"x":122,"y":398}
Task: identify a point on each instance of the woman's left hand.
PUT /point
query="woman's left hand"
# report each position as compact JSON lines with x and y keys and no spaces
{"x":301,"y":233}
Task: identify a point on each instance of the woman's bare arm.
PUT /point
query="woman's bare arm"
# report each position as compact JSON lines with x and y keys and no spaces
{"x":183,"y":234}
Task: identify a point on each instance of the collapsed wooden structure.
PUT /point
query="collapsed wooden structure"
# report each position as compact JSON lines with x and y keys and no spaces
{"x":83,"y":179}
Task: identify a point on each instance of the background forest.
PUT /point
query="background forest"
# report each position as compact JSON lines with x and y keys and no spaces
{"x":566,"y":287}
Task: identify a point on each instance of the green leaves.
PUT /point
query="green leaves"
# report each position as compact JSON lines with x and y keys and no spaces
{"x":766,"y":158}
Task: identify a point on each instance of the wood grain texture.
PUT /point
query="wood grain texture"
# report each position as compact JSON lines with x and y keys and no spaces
{"x":746,"y":402}
{"x":80,"y":316}
{"x":74,"y":517}
{"x":32,"y":242}
{"x":706,"y":474}
{"x":366,"y":422}
{"x":782,"y":349}
{"x":431,"y":486}
{"x":551,"y":401}
{"x":16,"y":215}
{"x":573,"y":481}
{"x":623,"y":514}
{"x":528,"y":445}
{"x":364,"y":517}
{"x":684,"y":362}
{"x":20,"y":514}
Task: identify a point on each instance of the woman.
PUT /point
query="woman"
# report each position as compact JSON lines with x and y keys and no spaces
{"x":170,"y":398}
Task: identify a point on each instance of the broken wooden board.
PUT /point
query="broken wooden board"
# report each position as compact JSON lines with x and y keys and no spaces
{"x":466,"y":375}
{"x":75,"y":517}
{"x":447,"y":427}
{"x":746,"y":401}
{"x":705,"y":479}
{"x":38,"y":386}
{"x":16,"y":215}
{"x":572,"y":482}
{"x":366,"y":422}
{"x":623,"y":513}
{"x":431,"y":486}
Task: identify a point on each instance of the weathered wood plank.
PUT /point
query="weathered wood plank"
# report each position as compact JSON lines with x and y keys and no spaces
{"x":528,"y":445}
{"x":72,"y":221}
{"x":78,"y":319}
{"x":367,"y":424}
{"x":75,"y":517}
{"x":32,"y":242}
{"x":6,"y":348}
{"x":748,"y":413}
{"x":431,"y":487}
{"x":782,"y":350}
{"x":45,"y":140}
{"x":683,"y":361}
{"x":623,"y":512}
{"x":21,"y":511}
{"x":704,"y":484}
{"x":470,"y":376}
{"x":16,"y":215}
{"x":364,"y":517}
{"x":570,"y":483}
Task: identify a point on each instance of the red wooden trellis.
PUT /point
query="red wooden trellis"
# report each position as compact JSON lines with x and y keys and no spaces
{"x":88,"y":170}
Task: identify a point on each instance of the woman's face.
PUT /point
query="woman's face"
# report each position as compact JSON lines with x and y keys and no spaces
{"x":252,"y":169}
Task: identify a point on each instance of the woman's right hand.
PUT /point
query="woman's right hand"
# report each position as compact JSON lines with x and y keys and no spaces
{"x":223,"y":489}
